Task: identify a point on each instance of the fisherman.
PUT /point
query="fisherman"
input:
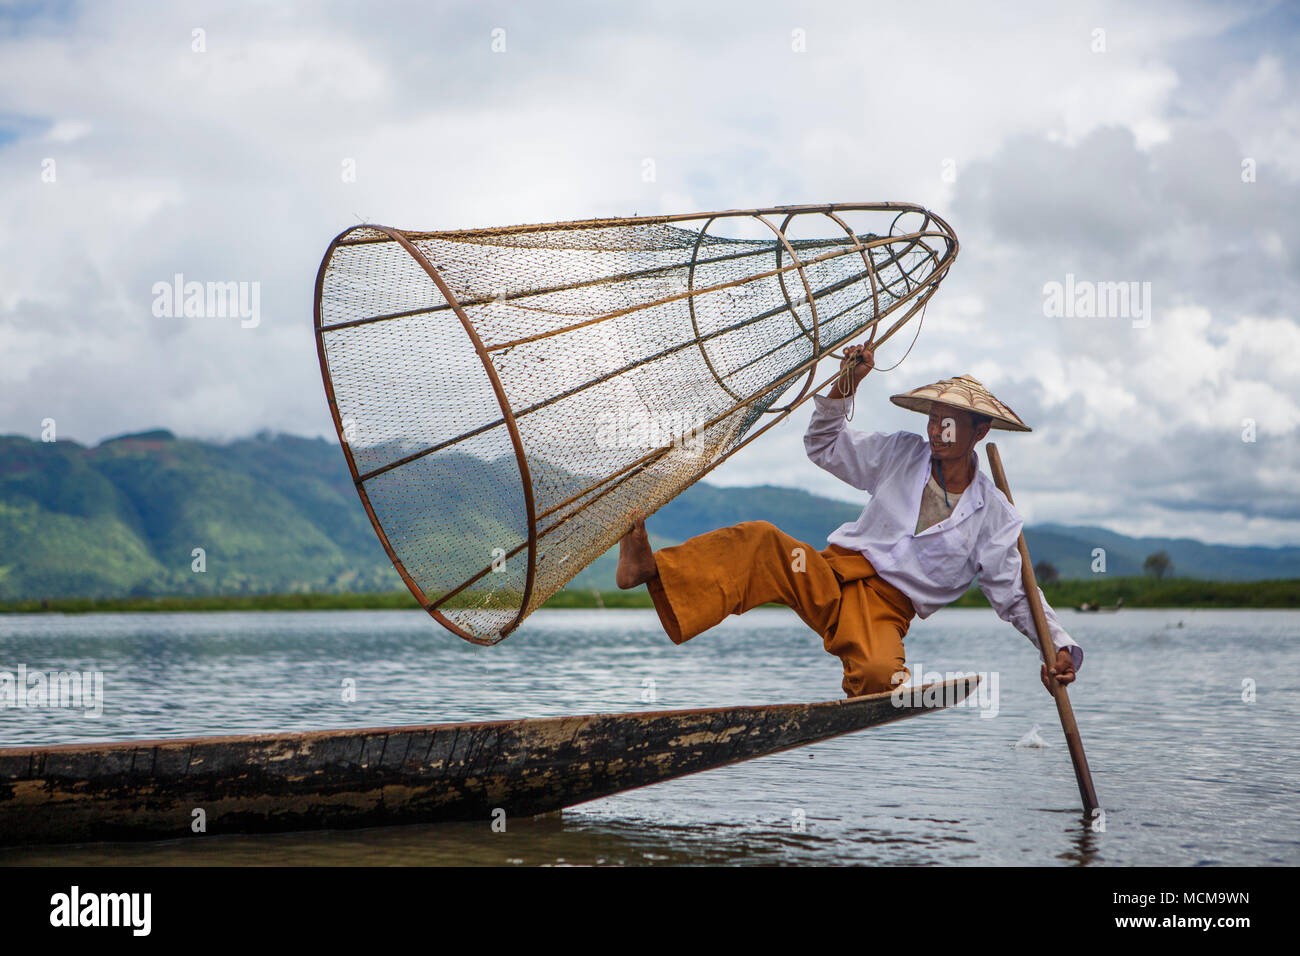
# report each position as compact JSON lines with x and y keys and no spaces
{"x":934,"y":523}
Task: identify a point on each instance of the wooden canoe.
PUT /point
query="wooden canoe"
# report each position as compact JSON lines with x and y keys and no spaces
{"x":150,"y":790}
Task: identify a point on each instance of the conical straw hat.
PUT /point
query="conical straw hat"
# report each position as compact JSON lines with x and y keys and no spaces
{"x":961,"y":392}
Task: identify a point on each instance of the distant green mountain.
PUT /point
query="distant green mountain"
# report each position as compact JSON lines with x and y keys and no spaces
{"x":125,"y":517}
{"x":278,"y":513}
{"x":1070,"y":550}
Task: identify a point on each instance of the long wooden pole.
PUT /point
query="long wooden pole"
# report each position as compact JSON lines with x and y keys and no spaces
{"x":1063,"y":708}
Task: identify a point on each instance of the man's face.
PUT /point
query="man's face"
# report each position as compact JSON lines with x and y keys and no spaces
{"x":951,"y":431}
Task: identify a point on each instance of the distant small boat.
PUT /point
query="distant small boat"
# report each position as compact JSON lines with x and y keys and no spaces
{"x":1089,"y":606}
{"x":154,"y":789}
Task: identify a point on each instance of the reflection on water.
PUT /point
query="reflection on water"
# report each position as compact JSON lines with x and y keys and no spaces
{"x":1189,"y":772}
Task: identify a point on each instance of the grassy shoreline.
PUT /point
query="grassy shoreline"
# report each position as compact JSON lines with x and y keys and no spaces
{"x":1137,"y":592}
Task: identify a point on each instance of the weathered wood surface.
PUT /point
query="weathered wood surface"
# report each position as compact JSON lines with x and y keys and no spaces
{"x":149,"y":790}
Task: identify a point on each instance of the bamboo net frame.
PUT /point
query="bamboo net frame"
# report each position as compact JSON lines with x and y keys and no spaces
{"x":505,"y":397}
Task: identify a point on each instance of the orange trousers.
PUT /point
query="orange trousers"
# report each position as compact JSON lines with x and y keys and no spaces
{"x":836,"y":592}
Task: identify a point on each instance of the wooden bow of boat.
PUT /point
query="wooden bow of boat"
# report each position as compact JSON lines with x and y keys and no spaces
{"x":154,"y":790}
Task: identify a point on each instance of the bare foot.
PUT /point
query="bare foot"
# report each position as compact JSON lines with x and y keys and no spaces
{"x":636,"y":559}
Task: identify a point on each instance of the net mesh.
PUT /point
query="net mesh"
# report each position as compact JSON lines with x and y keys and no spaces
{"x":506,"y":397}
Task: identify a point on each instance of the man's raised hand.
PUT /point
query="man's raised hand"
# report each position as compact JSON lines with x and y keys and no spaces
{"x":862,"y":359}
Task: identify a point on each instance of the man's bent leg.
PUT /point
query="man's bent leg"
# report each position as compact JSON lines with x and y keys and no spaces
{"x":735,"y":569}
{"x":868,"y":640}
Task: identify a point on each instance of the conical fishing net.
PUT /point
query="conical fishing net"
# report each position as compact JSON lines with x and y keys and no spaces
{"x":506,"y":397}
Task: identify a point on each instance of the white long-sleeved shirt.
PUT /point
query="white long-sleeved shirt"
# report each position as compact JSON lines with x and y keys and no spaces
{"x":935,"y":567}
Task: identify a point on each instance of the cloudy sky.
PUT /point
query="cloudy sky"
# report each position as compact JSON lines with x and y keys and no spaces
{"x":1156,"y":145}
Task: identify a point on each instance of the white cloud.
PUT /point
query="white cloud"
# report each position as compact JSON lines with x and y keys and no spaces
{"x":68,"y":131}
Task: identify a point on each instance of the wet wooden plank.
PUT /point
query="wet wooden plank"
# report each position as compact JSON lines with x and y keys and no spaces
{"x":148,"y":790}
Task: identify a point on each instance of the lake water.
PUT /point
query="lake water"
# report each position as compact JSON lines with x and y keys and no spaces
{"x":1189,"y":772}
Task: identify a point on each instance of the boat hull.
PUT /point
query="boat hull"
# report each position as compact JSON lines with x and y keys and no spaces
{"x":162,"y":789}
